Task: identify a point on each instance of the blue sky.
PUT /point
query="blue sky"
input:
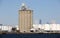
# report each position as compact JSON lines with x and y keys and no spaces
{"x":46,"y":10}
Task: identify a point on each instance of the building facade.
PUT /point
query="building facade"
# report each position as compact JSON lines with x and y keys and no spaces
{"x":25,"y":19}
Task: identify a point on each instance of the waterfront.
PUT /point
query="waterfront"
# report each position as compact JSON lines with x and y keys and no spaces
{"x":36,"y":35}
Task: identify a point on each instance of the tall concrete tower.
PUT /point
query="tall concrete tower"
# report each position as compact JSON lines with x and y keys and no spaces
{"x":25,"y":19}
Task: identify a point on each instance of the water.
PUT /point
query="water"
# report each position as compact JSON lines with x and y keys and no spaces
{"x":30,"y":35}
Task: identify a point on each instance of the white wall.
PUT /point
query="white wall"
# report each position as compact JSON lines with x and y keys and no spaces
{"x":6,"y":28}
{"x":47,"y":26}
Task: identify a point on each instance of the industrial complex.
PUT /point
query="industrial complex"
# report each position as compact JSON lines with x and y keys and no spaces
{"x":25,"y":24}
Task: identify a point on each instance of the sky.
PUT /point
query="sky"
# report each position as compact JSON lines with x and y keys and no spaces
{"x":46,"y":10}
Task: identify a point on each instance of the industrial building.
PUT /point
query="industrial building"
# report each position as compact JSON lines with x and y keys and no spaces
{"x":25,"y":19}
